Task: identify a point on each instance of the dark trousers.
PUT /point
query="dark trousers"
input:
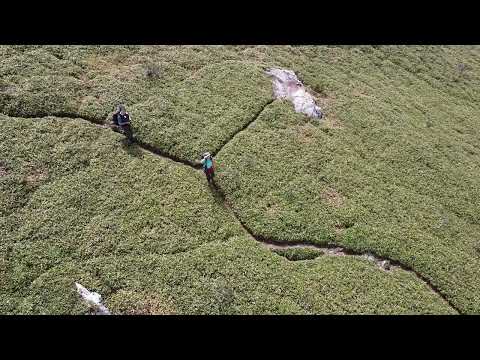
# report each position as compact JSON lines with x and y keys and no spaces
{"x":127,"y":130}
{"x":210,"y":174}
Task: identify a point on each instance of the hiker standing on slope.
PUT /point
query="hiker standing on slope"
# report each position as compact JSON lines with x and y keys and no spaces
{"x":208,"y":166}
{"x":122,"y":119}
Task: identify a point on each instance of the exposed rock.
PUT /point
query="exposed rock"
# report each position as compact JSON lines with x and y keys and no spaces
{"x":386,"y":264}
{"x":287,"y":86}
{"x":93,"y":299}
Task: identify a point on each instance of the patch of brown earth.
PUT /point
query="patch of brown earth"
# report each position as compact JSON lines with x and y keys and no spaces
{"x":151,"y":306}
{"x":339,"y":229}
{"x":324,"y":100}
{"x":359,"y":93}
{"x":128,"y":302}
{"x":272,"y":210}
{"x":306,"y":133}
{"x":332,"y":122}
{"x":36,"y":177}
{"x":7,"y":89}
{"x":86,"y":100}
{"x":3,"y":170}
{"x":112,"y":67}
{"x":332,"y":197}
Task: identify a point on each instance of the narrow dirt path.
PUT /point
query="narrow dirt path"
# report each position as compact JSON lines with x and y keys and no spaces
{"x":331,"y":249}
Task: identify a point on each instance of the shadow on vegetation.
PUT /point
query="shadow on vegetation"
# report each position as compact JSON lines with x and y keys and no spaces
{"x":132,"y":149}
{"x":217,"y":194}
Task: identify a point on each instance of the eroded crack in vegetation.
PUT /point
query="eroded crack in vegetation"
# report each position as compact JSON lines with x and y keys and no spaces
{"x":101,"y":124}
{"x":274,"y":245}
{"x":254,"y":118}
{"x":334,"y":250}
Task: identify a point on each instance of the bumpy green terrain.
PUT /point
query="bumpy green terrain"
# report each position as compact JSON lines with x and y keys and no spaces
{"x":392,"y":172}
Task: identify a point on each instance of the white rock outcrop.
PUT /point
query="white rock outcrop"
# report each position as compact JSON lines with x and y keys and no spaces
{"x":287,"y":86}
{"x":93,"y":299}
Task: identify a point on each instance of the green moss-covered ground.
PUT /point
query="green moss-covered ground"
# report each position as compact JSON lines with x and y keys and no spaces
{"x":393,"y":169}
{"x":235,"y":277}
{"x":72,"y":191}
{"x":296,"y":254}
{"x":134,"y":227}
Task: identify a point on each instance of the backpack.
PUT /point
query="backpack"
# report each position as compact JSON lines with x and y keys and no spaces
{"x":123,"y":119}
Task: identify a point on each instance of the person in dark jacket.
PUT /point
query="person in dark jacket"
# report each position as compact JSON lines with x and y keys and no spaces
{"x":122,"y":119}
{"x":115,"y":117}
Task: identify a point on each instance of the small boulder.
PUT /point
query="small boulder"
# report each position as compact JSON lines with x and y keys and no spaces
{"x":386,"y":264}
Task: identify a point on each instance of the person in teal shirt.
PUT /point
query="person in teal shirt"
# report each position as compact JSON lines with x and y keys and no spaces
{"x":208,"y":166}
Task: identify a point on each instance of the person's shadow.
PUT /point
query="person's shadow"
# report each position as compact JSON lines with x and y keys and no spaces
{"x":217,"y":194}
{"x":132,"y":149}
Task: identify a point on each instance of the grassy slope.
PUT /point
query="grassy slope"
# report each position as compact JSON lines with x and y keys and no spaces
{"x":204,"y":111}
{"x":93,"y":198}
{"x":394,"y":168}
{"x":400,"y":145}
{"x":134,"y":227}
{"x":235,"y":277}
{"x":184,"y":100}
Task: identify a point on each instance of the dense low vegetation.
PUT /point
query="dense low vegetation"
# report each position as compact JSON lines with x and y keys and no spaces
{"x":296,"y":254}
{"x":127,"y":223}
{"x":393,"y":169}
{"x":72,"y":191}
